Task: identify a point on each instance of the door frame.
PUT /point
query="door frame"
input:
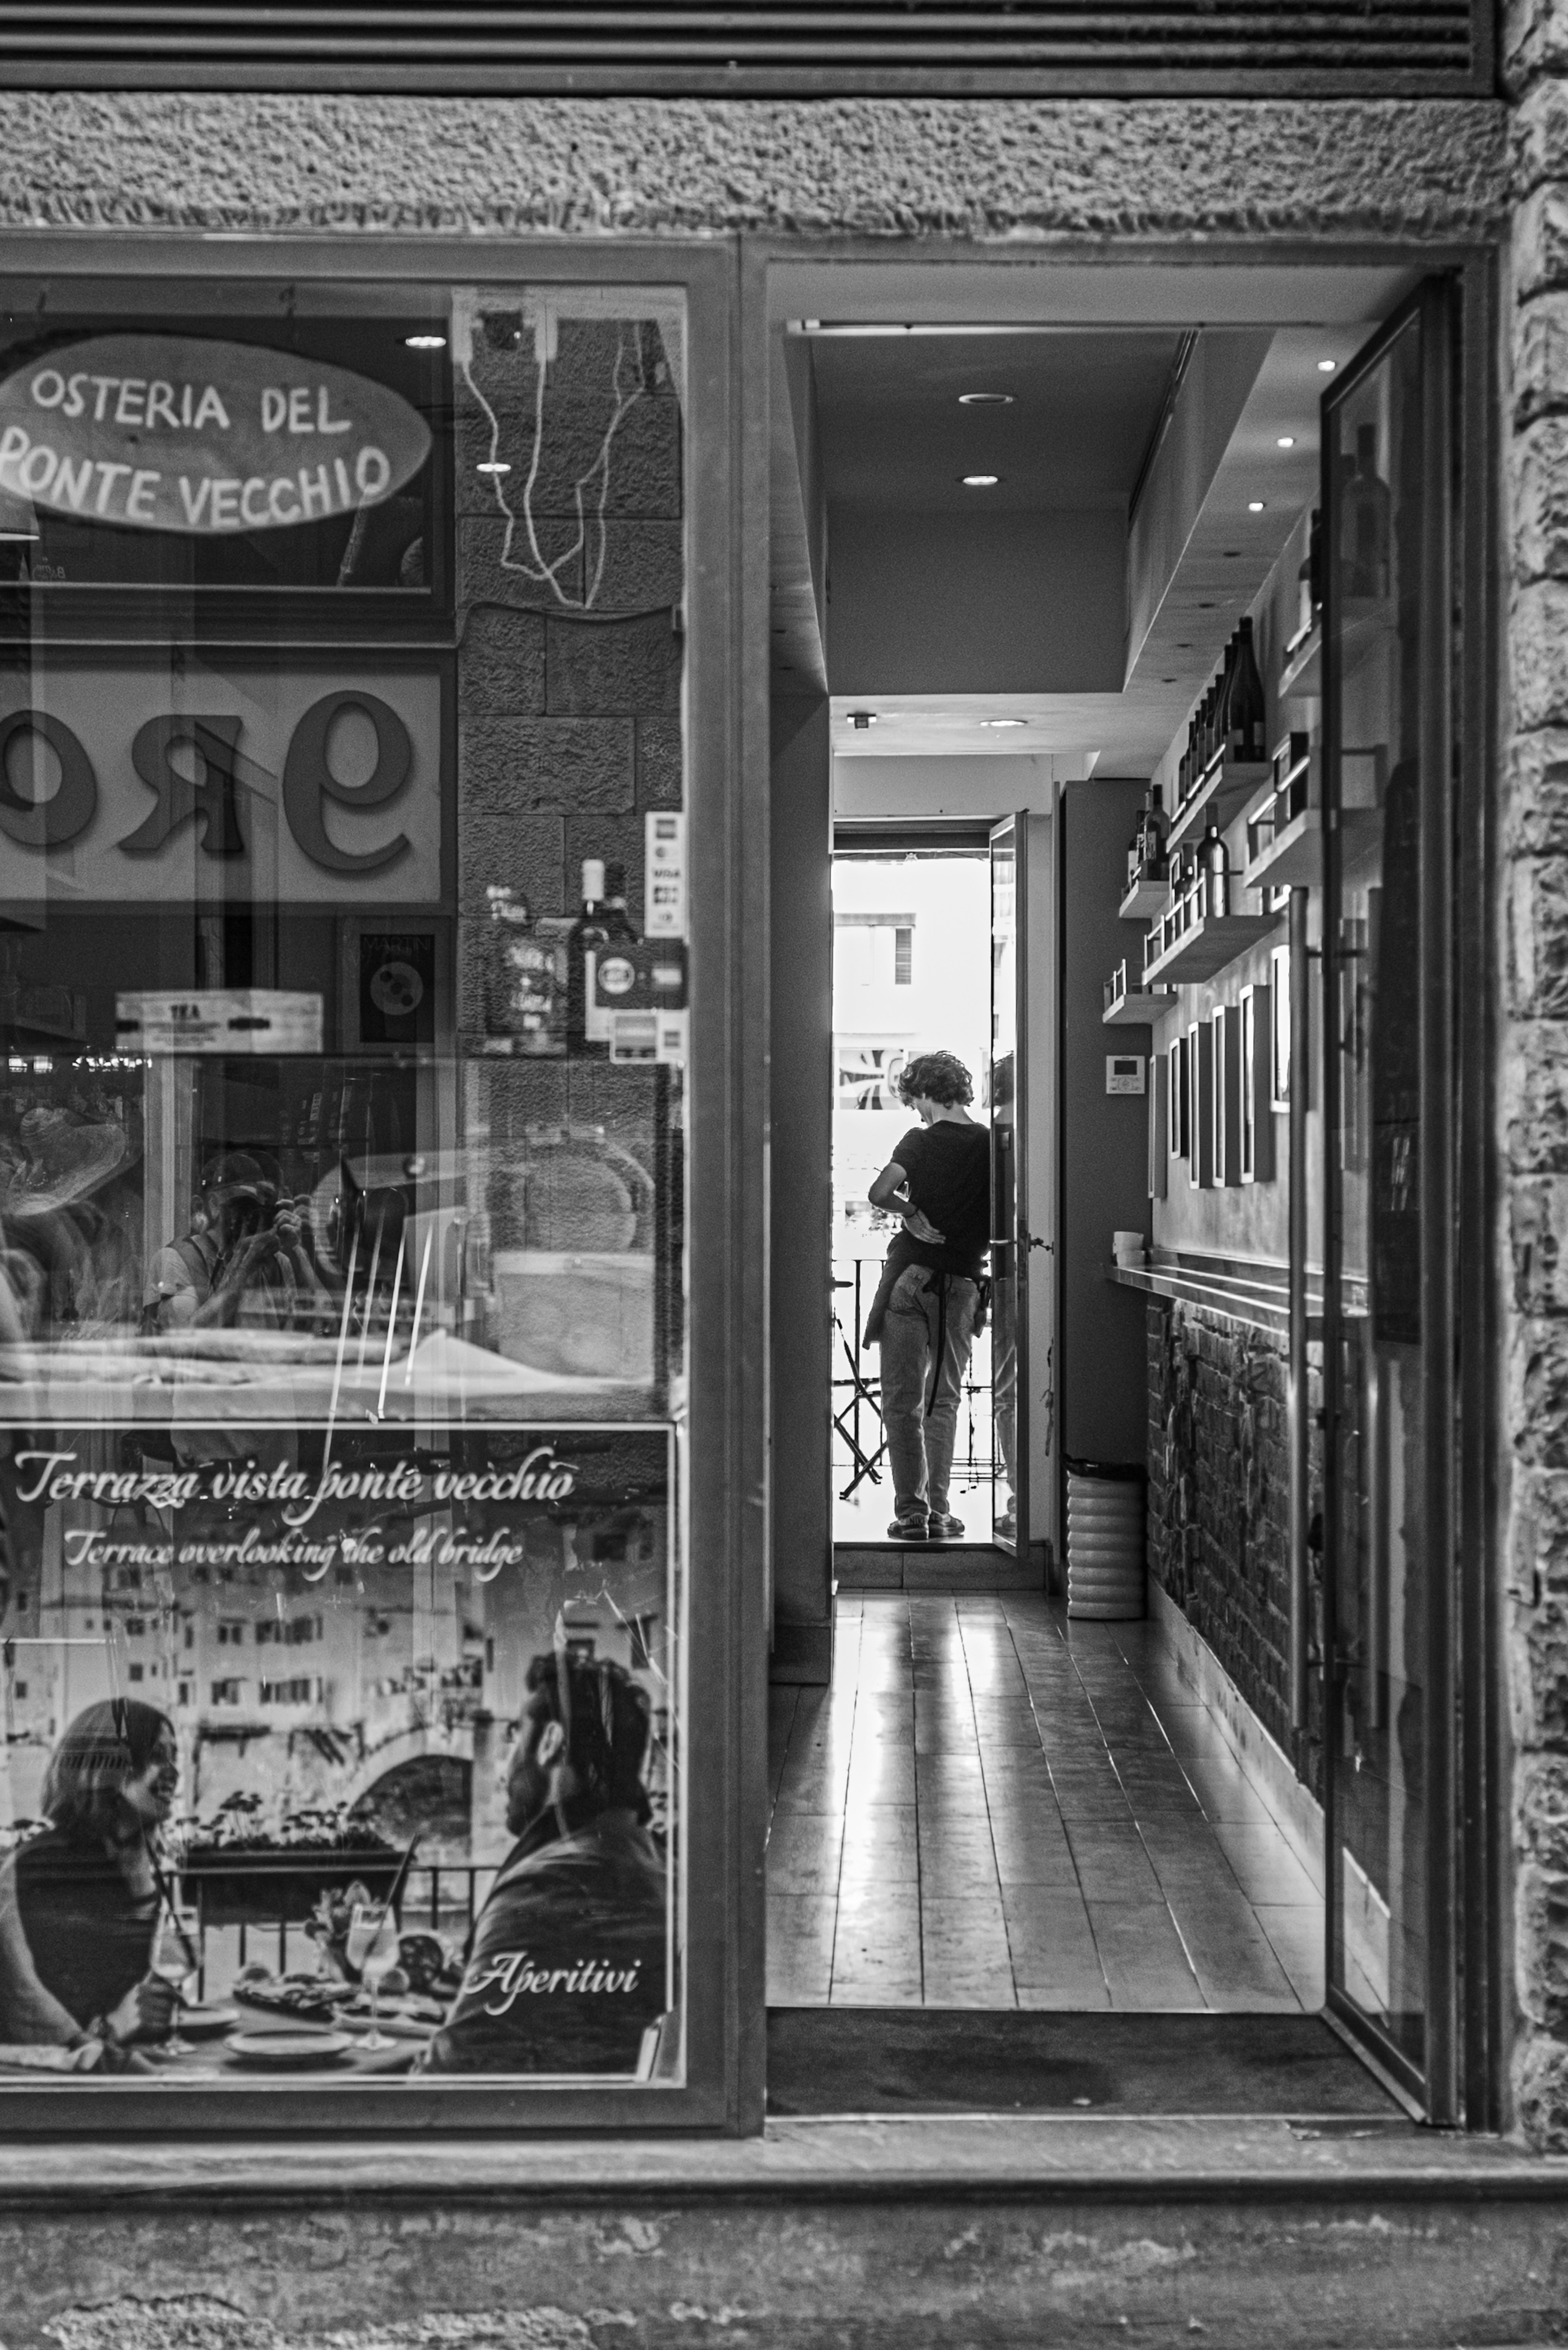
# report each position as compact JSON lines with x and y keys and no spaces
{"x":1483,"y":1870}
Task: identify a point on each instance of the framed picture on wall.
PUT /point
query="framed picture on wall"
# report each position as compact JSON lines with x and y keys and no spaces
{"x":1255,"y":1015}
{"x":1280,"y":1028}
{"x":393,"y":981}
{"x":1177,"y":1113}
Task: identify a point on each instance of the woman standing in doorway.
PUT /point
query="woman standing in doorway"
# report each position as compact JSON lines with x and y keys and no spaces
{"x":926,"y":1307}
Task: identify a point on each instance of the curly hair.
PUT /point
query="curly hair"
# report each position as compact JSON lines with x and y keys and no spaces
{"x":607,"y":1720}
{"x":940,"y":1076}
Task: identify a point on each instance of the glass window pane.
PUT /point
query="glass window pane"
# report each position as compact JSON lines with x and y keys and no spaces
{"x":342,"y":1265}
{"x":1376,"y":499}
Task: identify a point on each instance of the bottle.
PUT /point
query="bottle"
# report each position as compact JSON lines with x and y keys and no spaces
{"x":617,"y":920}
{"x":1364,"y":523}
{"x":1244,"y":710}
{"x":1307,"y":597}
{"x":1216,"y":872}
{"x":524,"y":1011}
{"x":1154,"y":862}
{"x":588,"y":1030}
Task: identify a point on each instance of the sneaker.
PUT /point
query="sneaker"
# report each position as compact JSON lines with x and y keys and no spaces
{"x":908,"y":1530}
{"x":944,"y":1529}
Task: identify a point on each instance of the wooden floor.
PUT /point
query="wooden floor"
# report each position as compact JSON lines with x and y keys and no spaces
{"x":994,"y":1807}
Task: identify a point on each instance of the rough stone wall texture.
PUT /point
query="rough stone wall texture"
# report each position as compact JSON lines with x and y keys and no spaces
{"x":1218,"y":1528}
{"x":877,"y":167}
{"x":1534,"y":1088}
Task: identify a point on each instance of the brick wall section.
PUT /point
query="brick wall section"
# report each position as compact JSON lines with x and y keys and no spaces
{"x":1219,"y":1503}
{"x":1534,"y":1091}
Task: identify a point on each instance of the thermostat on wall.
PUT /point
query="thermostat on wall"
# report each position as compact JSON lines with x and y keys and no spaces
{"x":1124,"y":1073}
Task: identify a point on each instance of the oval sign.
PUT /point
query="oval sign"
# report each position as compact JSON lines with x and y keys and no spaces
{"x":174,"y":433}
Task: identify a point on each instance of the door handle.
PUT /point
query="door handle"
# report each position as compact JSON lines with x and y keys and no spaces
{"x":1034,"y":1241}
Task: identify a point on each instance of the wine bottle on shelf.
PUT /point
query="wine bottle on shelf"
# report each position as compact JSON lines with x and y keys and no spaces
{"x":1307,"y":598}
{"x":1365,"y":522}
{"x":1216,"y":872}
{"x":1154,"y":863}
{"x":1244,"y":714}
{"x":588,"y":1030}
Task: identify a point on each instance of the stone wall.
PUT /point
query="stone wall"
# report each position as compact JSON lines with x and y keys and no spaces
{"x":1219,"y":1503}
{"x":1534,"y":1090}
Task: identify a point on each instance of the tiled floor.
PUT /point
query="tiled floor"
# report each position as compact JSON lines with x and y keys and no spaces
{"x":994,"y":1807}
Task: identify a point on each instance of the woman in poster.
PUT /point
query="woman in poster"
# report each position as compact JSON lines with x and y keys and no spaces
{"x":78,"y":1904}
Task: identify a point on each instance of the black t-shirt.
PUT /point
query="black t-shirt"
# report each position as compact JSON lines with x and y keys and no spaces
{"x":949,"y":1168}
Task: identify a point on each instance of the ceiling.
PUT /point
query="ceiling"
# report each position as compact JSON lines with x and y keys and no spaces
{"x":1083,"y":411}
{"x":1087,"y":354}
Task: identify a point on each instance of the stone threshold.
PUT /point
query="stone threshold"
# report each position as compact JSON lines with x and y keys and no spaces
{"x":880,"y":2158}
{"x":932,"y":1566}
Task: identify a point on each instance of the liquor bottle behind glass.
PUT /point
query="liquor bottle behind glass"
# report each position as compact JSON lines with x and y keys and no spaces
{"x":1307,"y":596}
{"x":1366,"y":521}
{"x":586,"y":1031}
{"x":1217,"y":871}
{"x":1154,"y":863}
{"x":1244,"y":710}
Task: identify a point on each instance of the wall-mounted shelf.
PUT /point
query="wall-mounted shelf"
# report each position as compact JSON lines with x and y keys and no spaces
{"x":1257,"y":1293}
{"x":1228,"y":782}
{"x":1367,"y":621}
{"x":1149,"y":898}
{"x":1301,"y":680}
{"x":1294,"y":858}
{"x":1208,"y":947}
{"x":1136,"y":1011}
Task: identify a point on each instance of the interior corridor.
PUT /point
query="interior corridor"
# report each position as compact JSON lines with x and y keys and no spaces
{"x":994,"y":1807}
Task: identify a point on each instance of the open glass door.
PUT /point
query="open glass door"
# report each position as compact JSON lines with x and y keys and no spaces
{"x":1388,"y":1370}
{"x":1009,"y":1247}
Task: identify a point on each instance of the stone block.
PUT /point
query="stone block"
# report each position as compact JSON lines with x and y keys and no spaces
{"x":1539,"y":467}
{"x":1534,"y":39}
{"x":1538,"y":138}
{"x":1535,"y":804}
{"x":1540,"y":357}
{"x":1539,"y":1658}
{"x":1538,"y":1231}
{"x":1541,"y":1810}
{"x":1541,"y":2091}
{"x":498,"y":564}
{"x":1537,"y":937}
{"x":520,"y":849}
{"x":660,"y":763}
{"x":560,"y":764}
{"x":1540,"y":242}
{"x":1541,"y":1945}
{"x":1537,"y":1554}
{"x":1534,"y":1095}
{"x":599,"y":668}
{"x":501,"y":664}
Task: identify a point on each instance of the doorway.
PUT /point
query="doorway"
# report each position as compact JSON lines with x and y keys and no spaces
{"x":1013,"y":1797}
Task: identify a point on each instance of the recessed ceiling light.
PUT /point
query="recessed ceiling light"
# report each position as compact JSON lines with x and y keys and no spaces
{"x":985,"y":399}
{"x":1326,"y":367}
{"x":1286,"y":441}
{"x":981,"y":481}
{"x":425,"y":342}
{"x":861,"y":719}
{"x":494,"y":465}
{"x":1004,"y":722}
{"x":1255,"y":506}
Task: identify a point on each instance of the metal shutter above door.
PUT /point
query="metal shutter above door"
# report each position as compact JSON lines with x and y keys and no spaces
{"x":755,"y":48}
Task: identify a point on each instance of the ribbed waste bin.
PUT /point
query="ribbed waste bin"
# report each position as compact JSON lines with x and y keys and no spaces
{"x":1105,"y":1540}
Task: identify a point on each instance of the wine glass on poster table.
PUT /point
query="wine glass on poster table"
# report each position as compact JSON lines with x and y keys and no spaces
{"x":176,"y":1946}
{"x":373,"y":1950}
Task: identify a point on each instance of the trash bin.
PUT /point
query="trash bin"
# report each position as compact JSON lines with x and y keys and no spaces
{"x":1105,"y":1540}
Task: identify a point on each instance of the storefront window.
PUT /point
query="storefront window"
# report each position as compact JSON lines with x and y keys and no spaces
{"x":343,"y":1036}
